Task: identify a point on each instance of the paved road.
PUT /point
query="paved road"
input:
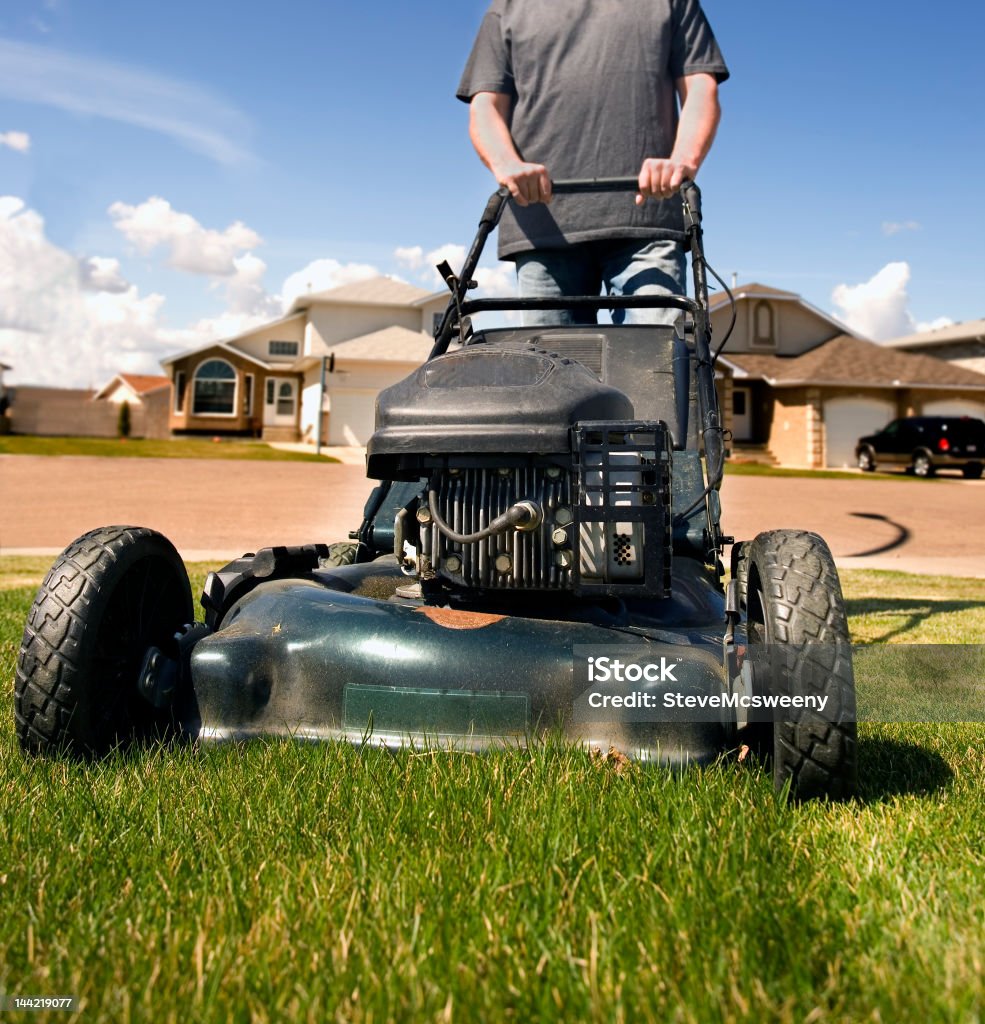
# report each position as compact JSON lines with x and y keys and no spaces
{"x":218,"y":509}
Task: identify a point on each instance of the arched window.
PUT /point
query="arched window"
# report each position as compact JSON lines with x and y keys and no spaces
{"x":215,"y":389}
{"x":763,"y":334}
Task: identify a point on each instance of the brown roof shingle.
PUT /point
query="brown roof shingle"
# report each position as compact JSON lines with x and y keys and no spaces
{"x":374,"y":291}
{"x":858,"y":363}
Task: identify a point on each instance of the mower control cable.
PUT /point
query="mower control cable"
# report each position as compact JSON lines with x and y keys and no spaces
{"x":524,"y":515}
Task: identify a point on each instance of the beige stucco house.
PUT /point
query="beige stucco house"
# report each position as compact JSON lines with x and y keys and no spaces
{"x":799,"y":384}
{"x":312,"y":375}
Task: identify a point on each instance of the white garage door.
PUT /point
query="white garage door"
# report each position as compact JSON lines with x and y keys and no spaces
{"x":352,"y":417}
{"x":848,"y":419}
{"x":954,"y":407}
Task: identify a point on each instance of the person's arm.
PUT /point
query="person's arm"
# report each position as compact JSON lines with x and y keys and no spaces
{"x":700,"y":114}
{"x":489,"y":130}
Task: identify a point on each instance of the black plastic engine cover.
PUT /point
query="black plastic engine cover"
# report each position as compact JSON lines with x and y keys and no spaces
{"x":485,"y":399}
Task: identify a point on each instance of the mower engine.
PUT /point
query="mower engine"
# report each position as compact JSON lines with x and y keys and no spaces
{"x":568,"y":494}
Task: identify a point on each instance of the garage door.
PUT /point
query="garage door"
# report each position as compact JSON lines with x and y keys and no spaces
{"x":848,"y":419}
{"x":954,"y":407}
{"x":352,"y":417}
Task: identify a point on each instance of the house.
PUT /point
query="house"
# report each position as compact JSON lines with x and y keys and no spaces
{"x":149,"y":399}
{"x":134,"y":388}
{"x":794,"y":380}
{"x":960,"y":344}
{"x":312,"y":375}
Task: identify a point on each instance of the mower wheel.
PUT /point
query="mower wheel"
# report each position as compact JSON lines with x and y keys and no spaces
{"x":794,"y":598}
{"x":740,"y":569}
{"x":111,"y":594}
{"x":340,"y":553}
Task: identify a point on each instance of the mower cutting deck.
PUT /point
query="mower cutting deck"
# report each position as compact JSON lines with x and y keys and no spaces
{"x":542,"y":554}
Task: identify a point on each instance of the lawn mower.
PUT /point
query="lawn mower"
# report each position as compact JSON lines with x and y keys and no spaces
{"x":541,"y":555}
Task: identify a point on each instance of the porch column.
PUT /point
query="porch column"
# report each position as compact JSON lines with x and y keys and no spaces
{"x":815,"y":429}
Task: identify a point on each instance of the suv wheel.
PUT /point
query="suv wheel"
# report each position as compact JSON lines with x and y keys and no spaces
{"x":922,"y":464}
{"x":973,"y":472}
{"x":866,"y":460}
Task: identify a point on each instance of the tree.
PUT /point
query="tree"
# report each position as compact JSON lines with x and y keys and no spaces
{"x":123,"y":420}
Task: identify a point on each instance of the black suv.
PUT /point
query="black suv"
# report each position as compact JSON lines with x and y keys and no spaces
{"x":925,"y":444}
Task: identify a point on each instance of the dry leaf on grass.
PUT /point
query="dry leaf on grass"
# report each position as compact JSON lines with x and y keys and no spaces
{"x":616,"y":758}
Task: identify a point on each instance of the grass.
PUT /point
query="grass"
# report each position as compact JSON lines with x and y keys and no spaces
{"x":277,"y":881}
{"x":177,"y":448}
{"x":762,"y":469}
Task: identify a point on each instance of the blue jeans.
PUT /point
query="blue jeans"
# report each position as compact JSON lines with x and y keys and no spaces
{"x":623,"y":267}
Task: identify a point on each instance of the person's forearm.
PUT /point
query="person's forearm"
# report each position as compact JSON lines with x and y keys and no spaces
{"x":489,"y":130}
{"x":700,"y":114}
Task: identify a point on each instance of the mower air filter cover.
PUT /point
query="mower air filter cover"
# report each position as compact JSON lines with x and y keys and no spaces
{"x":484,"y":399}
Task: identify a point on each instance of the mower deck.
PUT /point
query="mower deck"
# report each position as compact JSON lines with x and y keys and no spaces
{"x":341,"y":656}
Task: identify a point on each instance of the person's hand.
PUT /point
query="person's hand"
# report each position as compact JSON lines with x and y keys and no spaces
{"x":528,"y":183}
{"x":660,"y":179}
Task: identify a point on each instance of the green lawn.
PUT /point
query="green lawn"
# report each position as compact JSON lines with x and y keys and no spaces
{"x":761,"y":469}
{"x":178,"y":448}
{"x":279,"y":881}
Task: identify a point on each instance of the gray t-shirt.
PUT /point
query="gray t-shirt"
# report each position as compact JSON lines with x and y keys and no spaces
{"x":593,"y":87}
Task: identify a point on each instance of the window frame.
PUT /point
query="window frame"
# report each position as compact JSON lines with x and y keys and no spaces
{"x":234,"y":405}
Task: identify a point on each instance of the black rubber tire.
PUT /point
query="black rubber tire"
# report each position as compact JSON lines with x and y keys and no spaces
{"x":739,"y":568}
{"x":922,"y":465}
{"x":972,"y":472}
{"x":341,"y":553}
{"x":109,"y":596}
{"x":867,"y":460}
{"x":794,"y":597}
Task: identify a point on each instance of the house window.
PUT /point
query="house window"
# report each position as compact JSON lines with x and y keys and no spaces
{"x":179,"y":391}
{"x":763,"y":332}
{"x":215,"y":389}
{"x":285,"y":398}
{"x":283,"y":348}
{"x":271,"y":386}
{"x":248,"y":395}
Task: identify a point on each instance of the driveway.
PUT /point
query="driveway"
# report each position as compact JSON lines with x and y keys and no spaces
{"x":214,"y":510}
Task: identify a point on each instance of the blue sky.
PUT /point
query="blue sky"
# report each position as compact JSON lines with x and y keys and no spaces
{"x":175,"y":172}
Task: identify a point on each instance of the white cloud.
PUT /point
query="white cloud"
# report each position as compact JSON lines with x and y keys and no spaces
{"x":192,"y":247}
{"x":19,"y":141}
{"x":894,"y":227}
{"x":102,"y":274}
{"x":320,"y":276}
{"x":52,"y":330}
{"x":187,"y":113}
{"x":879,"y":308}
{"x":498,"y":279}
{"x":245,"y":293}
{"x":411,"y":257}
{"x":450,"y":252}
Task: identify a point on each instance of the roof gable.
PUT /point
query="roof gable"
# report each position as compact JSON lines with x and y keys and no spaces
{"x":374,"y":291}
{"x":390,"y":345}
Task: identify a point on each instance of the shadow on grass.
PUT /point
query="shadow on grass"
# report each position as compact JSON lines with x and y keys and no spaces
{"x":912,"y":612}
{"x":888,"y":768}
